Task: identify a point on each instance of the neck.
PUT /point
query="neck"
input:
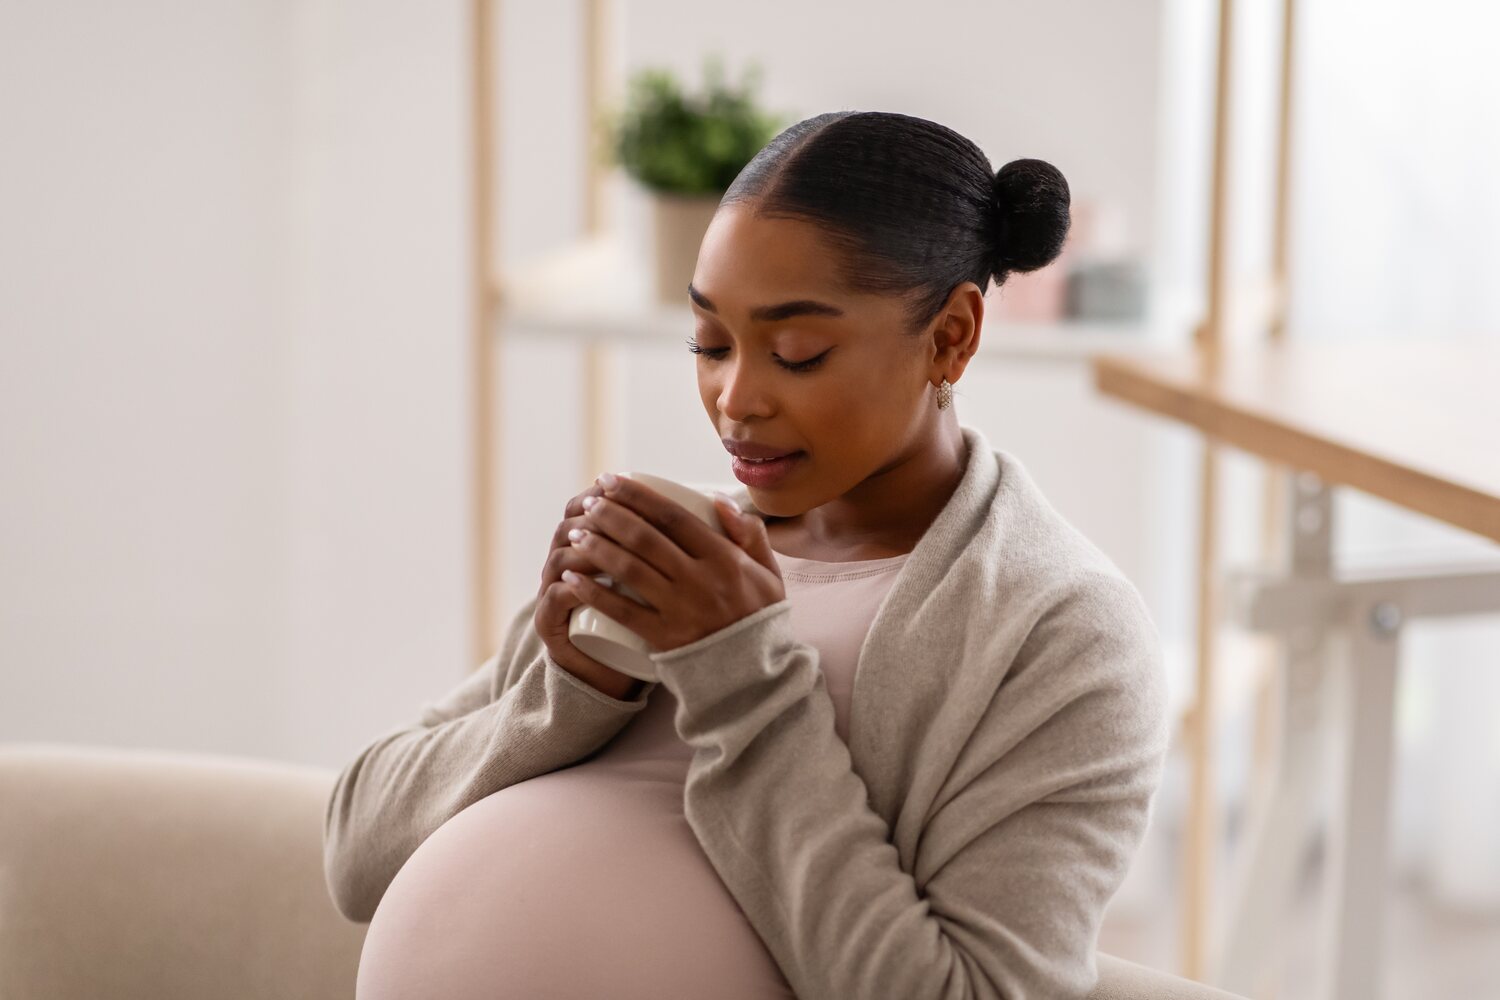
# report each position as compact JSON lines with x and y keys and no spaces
{"x":893,"y":506}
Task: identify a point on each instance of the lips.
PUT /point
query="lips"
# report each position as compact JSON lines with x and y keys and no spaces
{"x":768,"y":473}
{"x":755,"y":451}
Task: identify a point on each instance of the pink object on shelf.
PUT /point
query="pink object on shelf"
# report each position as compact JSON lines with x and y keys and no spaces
{"x":1038,"y":297}
{"x":1041,"y":296}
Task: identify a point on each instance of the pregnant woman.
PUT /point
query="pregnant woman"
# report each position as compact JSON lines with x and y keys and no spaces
{"x":908,"y":722}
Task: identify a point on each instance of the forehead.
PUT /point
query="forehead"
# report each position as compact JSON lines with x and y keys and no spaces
{"x":746,"y":261}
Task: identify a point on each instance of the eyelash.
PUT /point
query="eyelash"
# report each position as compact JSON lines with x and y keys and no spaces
{"x":715,"y":354}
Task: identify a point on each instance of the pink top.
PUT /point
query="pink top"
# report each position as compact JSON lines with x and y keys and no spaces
{"x":602,"y":888}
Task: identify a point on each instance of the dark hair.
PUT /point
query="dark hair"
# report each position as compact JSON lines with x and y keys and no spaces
{"x":913,"y":205}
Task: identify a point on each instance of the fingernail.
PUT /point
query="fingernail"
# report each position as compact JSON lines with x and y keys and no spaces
{"x":728,"y":501}
{"x":609,"y":481}
{"x":588,"y":502}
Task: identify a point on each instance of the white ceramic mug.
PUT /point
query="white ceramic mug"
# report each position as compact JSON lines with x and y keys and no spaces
{"x":601,"y":637}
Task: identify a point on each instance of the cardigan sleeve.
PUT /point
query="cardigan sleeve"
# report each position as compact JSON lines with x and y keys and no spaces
{"x":521,"y":714}
{"x":1029,"y":837}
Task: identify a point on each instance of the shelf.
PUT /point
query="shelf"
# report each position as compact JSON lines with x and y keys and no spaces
{"x":595,"y":292}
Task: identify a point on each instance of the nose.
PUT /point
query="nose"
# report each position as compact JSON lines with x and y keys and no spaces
{"x":740,"y":395}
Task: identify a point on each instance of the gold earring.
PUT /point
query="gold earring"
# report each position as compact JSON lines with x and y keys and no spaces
{"x":945,"y":395}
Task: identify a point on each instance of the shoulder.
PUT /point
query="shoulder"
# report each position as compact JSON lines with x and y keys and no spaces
{"x":1087,"y":635}
{"x":1097,"y":623}
{"x":1033,"y":533}
{"x":1097,"y":619}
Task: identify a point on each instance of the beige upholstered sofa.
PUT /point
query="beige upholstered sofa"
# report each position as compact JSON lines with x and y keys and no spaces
{"x":141,"y":875}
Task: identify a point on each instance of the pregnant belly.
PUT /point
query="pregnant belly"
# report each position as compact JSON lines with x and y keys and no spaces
{"x":580,"y":883}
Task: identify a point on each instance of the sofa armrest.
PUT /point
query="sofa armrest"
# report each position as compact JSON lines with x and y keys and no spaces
{"x":154,"y":874}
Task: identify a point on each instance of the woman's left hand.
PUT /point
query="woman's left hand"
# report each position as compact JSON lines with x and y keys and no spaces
{"x":696,"y":580}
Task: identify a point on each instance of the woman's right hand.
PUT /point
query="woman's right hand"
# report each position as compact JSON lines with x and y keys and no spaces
{"x":555,"y":600}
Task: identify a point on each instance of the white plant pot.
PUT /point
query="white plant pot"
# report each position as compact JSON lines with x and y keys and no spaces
{"x":669,"y":231}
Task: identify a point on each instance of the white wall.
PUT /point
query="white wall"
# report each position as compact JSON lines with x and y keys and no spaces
{"x":144,"y":188}
{"x":1072,"y":81}
{"x":381,"y":535}
{"x":233,"y":412}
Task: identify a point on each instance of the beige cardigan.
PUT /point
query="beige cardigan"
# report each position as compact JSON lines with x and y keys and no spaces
{"x":1008,"y":729}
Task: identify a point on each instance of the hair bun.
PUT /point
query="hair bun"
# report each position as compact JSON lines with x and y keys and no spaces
{"x":1032,"y":215}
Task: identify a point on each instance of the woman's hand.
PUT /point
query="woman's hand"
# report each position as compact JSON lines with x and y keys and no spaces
{"x":695,"y":580}
{"x":555,"y":599}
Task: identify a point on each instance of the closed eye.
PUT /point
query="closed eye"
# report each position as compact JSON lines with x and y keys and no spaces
{"x":717,"y":354}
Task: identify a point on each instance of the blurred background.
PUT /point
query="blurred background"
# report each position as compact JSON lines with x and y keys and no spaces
{"x":251,"y":252}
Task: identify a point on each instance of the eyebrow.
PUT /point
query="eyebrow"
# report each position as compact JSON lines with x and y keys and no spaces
{"x":768,"y":314}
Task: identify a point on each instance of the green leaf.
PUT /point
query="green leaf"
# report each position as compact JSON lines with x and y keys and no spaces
{"x":691,"y":144}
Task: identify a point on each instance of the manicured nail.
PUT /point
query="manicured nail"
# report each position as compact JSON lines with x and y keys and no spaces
{"x":728,"y":501}
{"x":609,"y":481}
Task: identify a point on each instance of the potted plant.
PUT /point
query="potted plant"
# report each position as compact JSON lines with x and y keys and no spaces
{"x":684,"y":151}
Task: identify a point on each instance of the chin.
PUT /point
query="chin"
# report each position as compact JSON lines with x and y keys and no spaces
{"x":769,"y":503}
